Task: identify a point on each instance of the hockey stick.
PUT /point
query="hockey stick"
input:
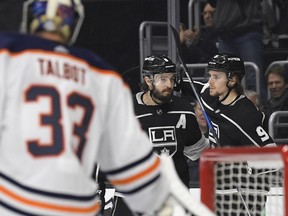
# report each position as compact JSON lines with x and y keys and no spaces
{"x":209,"y":123}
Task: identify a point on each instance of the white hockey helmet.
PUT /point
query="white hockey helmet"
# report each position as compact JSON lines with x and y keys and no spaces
{"x":61,"y":16}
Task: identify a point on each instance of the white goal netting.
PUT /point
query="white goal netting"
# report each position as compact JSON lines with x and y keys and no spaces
{"x":239,"y":182}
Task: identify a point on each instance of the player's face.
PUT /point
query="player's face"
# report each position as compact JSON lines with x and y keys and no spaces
{"x":163,"y":86}
{"x":276,"y":85}
{"x":218,"y":83}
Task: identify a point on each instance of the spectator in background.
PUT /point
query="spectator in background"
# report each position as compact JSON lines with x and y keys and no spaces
{"x":207,"y":15}
{"x":277,"y":83}
{"x":188,"y":39}
{"x":275,"y":15}
{"x":239,"y":28}
{"x":199,"y":46}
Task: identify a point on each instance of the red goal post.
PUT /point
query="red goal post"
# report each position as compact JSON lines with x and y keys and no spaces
{"x":227,"y":189}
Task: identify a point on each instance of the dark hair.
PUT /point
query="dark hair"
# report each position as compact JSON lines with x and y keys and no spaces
{"x":238,"y":86}
{"x":143,"y":86}
{"x":279,"y":70}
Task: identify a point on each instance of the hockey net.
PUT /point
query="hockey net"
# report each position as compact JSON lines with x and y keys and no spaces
{"x":245,"y":181}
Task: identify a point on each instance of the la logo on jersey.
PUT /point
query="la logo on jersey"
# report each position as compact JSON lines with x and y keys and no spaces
{"x":164,"y":139}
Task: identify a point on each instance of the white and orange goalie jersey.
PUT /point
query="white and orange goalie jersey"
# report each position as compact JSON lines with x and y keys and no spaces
{"x":62,"y":110}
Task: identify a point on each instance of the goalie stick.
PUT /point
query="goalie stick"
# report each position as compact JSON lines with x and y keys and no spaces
{"x":209,"y":123}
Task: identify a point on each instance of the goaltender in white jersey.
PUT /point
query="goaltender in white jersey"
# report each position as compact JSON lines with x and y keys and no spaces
{"x":62,"y":109}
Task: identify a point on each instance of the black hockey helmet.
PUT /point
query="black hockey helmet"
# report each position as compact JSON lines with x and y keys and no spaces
{"x":156,"y":64}
{"x":231,"y":64}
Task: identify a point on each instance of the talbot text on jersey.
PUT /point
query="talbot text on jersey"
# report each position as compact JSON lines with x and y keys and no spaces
{"x":62,"y":70}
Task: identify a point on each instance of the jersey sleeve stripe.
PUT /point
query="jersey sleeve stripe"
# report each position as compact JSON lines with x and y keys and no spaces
{"x":18,"y":211}
{"x":241,"y":129}
{"x":128,"y":167}
{"x":181,"y":112}
{"x":144,"y":115}
{"x":131,"y":179}
{"x":136,"y":176}
{"x":93,"y":208}
{"x":127,"y":192}
{"x":46,"y":193}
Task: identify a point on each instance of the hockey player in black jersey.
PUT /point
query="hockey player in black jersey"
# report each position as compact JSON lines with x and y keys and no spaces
{"x":237,"y":122}
{"x":168,"y":120}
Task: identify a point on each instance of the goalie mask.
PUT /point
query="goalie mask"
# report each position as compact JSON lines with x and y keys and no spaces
{"x":230,"y":64}
{"x":64,"y":17}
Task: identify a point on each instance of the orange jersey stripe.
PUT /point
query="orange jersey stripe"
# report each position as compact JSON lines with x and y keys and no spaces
{"x":138,"y":176}
{"x":94,"y":208}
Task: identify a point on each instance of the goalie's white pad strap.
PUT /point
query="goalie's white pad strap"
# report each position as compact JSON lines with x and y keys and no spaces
{"x":180,"y":192}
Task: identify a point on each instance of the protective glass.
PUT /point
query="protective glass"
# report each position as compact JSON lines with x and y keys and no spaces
{"x":162,"y":79}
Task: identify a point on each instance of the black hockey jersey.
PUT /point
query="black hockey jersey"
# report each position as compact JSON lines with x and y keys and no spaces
{"x":237,"y":124}
{"x":171,"y":128}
